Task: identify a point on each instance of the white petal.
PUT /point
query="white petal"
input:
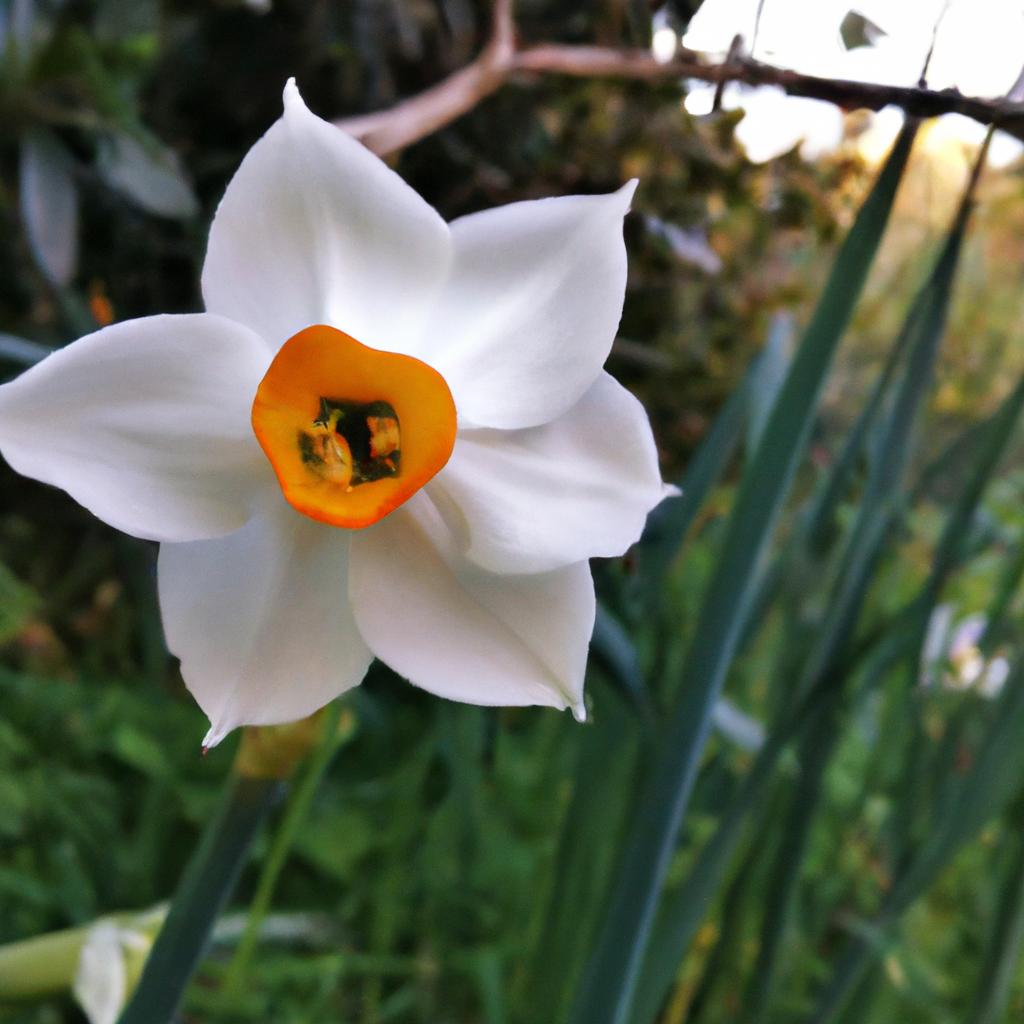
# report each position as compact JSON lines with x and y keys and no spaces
{"x":531,"y":308}
{"x":101,"y":979}
{"x":463,"y":633}
{"x":526,"y":501}
{"x":146,"y":424}
{"x":313,"y":229}
{"x":260,"y":620}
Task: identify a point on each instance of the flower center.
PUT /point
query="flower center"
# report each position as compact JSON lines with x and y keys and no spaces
{"x":350,"y":431}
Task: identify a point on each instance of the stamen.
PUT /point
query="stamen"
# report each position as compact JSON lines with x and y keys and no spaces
{"x":352,"y":443}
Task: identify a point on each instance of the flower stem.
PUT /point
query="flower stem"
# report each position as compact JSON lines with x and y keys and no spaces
{"x":40,"y":966}
{"x":333,"y":734}
{"x":205,"y":888}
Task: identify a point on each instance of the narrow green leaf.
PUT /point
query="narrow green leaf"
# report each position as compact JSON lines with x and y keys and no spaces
{"x":999,"y":609}
{"x":970,"y":802}
{"x":780,"y":892}
{"x":769,"y":376}
{"x":819,"y":520}
{"x":149,"y":174}
{"x":204,"y":890}
{"x":686,"y":907}
{"x":1002,"y":956}
{"x":49,"y":204}
{"x":926,"y":326}
{"x":613,"y":650}
{"x":668,"y":525}
{"x":332,"y":736}
{"x":993,"y":442}
{"x":722,"y":964}
{"x":923,"y":331}
{"x":606,"y":991}
{"x":17,"y":27}
{"x":21,"y":350}
{"x":604,"y":786}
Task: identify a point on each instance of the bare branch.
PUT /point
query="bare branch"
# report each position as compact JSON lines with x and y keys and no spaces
{"x":410,"y":120}
{"x":386,"y":131}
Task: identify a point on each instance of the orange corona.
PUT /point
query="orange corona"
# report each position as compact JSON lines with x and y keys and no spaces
{"x":352,"y":432}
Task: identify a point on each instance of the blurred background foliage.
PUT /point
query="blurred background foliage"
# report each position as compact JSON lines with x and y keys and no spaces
{"x":457,"y":862}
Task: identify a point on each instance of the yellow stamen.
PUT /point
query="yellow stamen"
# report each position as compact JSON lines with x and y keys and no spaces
{"x":351,"y":432}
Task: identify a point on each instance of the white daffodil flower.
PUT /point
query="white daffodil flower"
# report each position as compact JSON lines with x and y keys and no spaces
{"x":388,"y":436}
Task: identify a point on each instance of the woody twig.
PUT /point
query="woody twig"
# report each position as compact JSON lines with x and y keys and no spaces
{"x":386,"y":131}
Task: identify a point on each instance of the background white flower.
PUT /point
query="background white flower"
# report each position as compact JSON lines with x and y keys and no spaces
{"x":110,"y":962}
{"x":953,"y":658}
{"x":478,"y":587}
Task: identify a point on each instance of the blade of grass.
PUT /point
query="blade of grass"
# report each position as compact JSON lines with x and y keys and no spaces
{"x":820,"y":518}
{"x":780,"y":892}
{"x":769,"y":375}
{"x":669,"y":523}
{"x":333,"y":734}
{"x":612,"y":649}
{"x":21,"y":350}
{"x":815,"y":530}
{"x":606,"y":992}
{"x":678,"y":923}
{"x":607,"y":989}
{"x":723,"y":962}
{"x":601,"y":796}
{"x":1003,"y":953}
{"x":925,"y":327}
{"x":970,"y":802}
{"x":994,"y":439}
{"x":999,"y":609}
{"x":829,"y":659}
{"x":204,"y":890}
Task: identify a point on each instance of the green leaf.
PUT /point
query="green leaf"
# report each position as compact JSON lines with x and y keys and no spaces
{"x":613,"y":650}
{"x":993,"y":440}
{"x":604,"y":775}
{"x":203,"y":893}
{"x":768,"y":377}
{"x":831,"y":656}
{"x":968,"y":803}
{"x":780,"y":892}
{"x":150,"y":175}
{"x":819,"y":521}
{"x":687,"y":905}
{"x":606,"y":992}
{"x":17,"y":27}
{"x":1002,"y":956}
{"x":999,"y":609}
{"x":333,"y":733}
{"x":669,"y":523}
{"x":49,"y":204}
{"x":21,"y":350}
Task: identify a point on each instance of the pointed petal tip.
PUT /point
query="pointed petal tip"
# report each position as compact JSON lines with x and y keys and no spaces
{"x":292,"y":96}
{"x":214,"y":736}
{"x":627,"y":190}
{"x":579,"y":711}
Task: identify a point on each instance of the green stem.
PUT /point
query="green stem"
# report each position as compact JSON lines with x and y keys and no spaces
{"x":295,"y":813}
{"x":41,"y":966}
{"x":204,"y":890}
